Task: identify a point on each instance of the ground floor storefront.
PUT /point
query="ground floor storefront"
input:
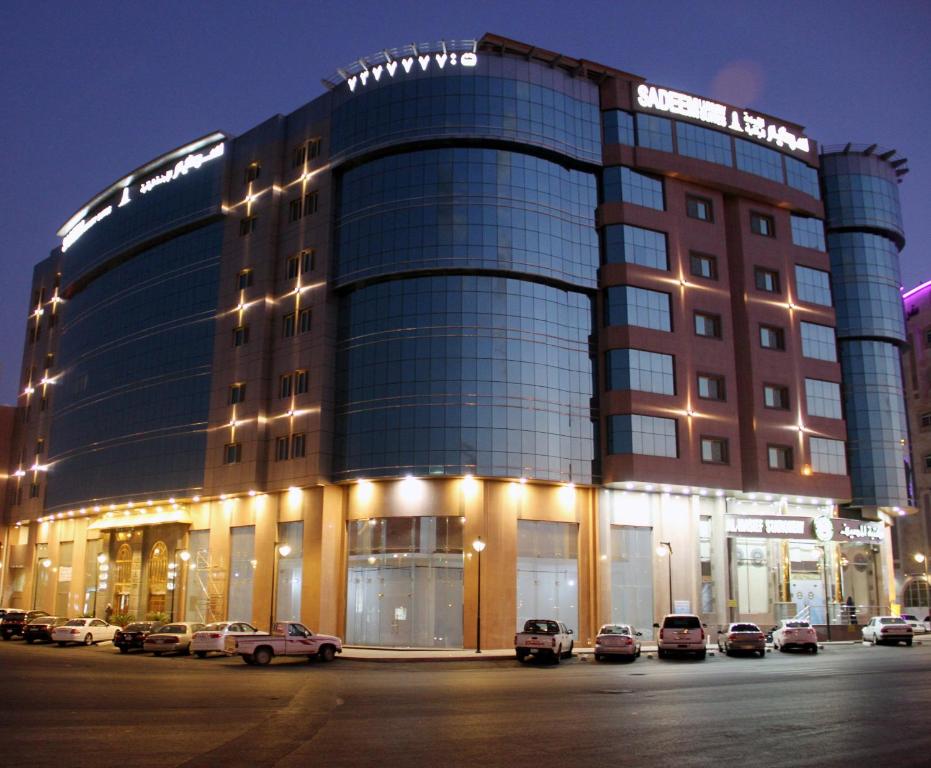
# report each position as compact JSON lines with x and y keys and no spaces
{"x":398,"y":563}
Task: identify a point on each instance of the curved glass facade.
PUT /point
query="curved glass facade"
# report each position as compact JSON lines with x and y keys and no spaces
{"x":467,"y":209}
{"x":465,"y":374}
{"x":135,"y":359}
{"x":860,"y":191}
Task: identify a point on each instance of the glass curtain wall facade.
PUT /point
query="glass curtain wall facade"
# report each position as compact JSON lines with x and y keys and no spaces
{"x":548,"y":572}
{"x":241,"y":573}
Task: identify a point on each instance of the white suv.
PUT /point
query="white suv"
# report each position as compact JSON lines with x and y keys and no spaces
{"x":681,"y":633}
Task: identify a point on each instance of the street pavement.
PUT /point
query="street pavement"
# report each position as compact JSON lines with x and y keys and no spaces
{"x":848,"y":705}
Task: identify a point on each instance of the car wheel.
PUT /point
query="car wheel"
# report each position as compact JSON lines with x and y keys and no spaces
{"x":873,"y":640}
{"x":327,"y":653}
{"x":30,"y":640}
{"x":908,"y":643}
{"x":571,"y":646}
{"x":701,"y":655}
{"x":813,"y":648}
{"x":262,"y":656}
{"x":637,"y":655}
{"x":557,"y":655}
{"x":200,"y":654}
{"x":763,"y":654}
{"x":248,"y":659}
{"x":124,"y":649}
{"x":88,"y":639}
{"x":61,"y":644}
{"x":660,"y":653}
{"x":521,"y":655}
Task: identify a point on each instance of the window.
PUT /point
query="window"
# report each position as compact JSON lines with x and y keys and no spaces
{"x":244,"y":279}
{"x":232,"y":453}
{"x":49,"y":361}
{"x":300,"y":382}
{"x":711,"y":387}
{"x":287,"y":325}
{"x":818,"y":342}
{"x":621,"y":184}
{"x":813,"y":285}
{"x":704,"y":144}
{"x":628,"y":305}
{"x":313,"y":148}
{"x":758,"y":160}
{"x":626,"y":244}
{"x":928,"y":462}
{"x":807,"y":232}
{"x":654,"y":132}
{"x":638,"y":370}
{"x":707,"y":325}
{"x":302,"y":206}
{"x":294,"y":267}
{"x":698,"y":208}
{"x":779,"y":457}
{"x":704,"y":265}
{"x":303,"y":320}
{"x":645,"y":435}
{"x":281,"y":448}
{"x":305,"y":152}
{"x":34,"y":491}
{"x":308,"y":260}
{"x":766,"y":279}
{"x":761,"y":224}
{"x":928,"y":338}
{"x":285,"y":385}
{"x":247,"y":225}
{"x":714,"y":450}
{"x":295,"y":208}
{"x":251,"y":173}
{"x":43,"y":403}
{"x":237,"y":393}
{"x":298,"y":446}
{"x":618,"y":127}
{"x":823,"y":398}
{"x":925,"y":420}
{"x":828,"y":456}
{"x":776,"y":396}
{"x":802,"y":176}
{"x":240,"y":335}
{"x":310,"y":203}
{"x":772,"y":337}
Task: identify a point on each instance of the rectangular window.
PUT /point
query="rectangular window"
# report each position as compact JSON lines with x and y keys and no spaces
{"x":758,"y":160}
{"x":285,"y":383}
{"x":281,"y":448}
{"x":301,"y":379}
{"x":714,"y":450}
{"x":303,"y":320}
{"x":802,"y":176}
{"x":925,"y":420}
{"x":761,"y":224}
{"x":618,"y":127}
{"x":707,"y":325}
{"x":823,"y":398}
{"x":654,"y":132}
{"x":232,"y":453}
{"x":704,"y":265}
{"x":626,"y":244}
{"x":49,"y":361}
{"x":622,"y":184}
{"x":298,"y":446}
{"x":295,"y":208}
{"x":698,"y":208}
{"x":247,"y":225}
{"x":305,"y":152}
{"x":828,"y":456}
{"x":808,"y":232}
{"x":308,"y":260}
{"x":766,"y":280}
{"x":43,"y":403}
{"x":34,"y":491}
{"x":287,"y":325}
{"x":628,"y":305}
{"x":928,"y":462}
{"x":818,"y":342}
{"x":776,"y":396}
{"x":711,"y":387}
{"x":704,"y":144}
{"x":237,"y":393}
{"x":636,"y":369}
{"x":240,"y":335}
{"x":251,"y":172}
{"x":813,"y":285}
{"x":772,"y":337}
{"x":644,"y":435}
{"x":293,"y":267}
{"x":779,"y":457}
{"x":244,"y":279}
{"x":310,"y":203}
{"x":313,"y":148}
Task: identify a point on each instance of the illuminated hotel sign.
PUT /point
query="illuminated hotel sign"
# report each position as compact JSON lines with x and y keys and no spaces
{"x":803,"y":528}
{"x":713,"y":113}
{"x":191,"y":162}
{"x":425,"y":61}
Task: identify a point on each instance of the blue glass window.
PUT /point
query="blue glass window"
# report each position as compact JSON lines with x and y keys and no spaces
{"x":823,"y":398}
{"x":629,"y":305}
{"x":808,"y":232}
{"x":704,"y":144}
{"x":813,"y":285}
{"x":618,"y":127}
{"x":818,"y":341}
{"x":802,"y":176}
{"x":626,"y":244}
{"x":654,"y":132}
{"x":640,"y":370}
{"x":645,"y":435}
{"x":828,"y":456}
{"x":758,"y":160}
{"x":621,"y":184}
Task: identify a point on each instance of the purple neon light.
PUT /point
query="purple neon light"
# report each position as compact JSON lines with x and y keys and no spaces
{"x":916,"y":289}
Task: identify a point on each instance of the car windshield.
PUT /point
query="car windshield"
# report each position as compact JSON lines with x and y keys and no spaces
{"x":892,"y":620}
{"x":14,"y":616}
{"x":542,"y":627}
{"x":797,"y":624}
{"x":173,"y":629}
{"x":139,"y":626}
{"x":75,"y":623}
{"x":614,"y":629}
{"x":682,"y":622}
{"x":744,"y":628}
{"x":44,"y":620}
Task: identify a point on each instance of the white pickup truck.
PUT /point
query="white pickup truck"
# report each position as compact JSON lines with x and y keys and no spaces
{"x":287,"y":638}
{"x":544,"y":637}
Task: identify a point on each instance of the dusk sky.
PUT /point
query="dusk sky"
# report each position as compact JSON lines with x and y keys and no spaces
{"x":92,"y":90}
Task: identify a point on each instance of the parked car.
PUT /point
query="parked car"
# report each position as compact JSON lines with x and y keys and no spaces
{"x":617,"y":640}
{"x":132,"y":636}
{"x":795,"y":633}
{"x":40,"y":628}
{"x":14,"y":622}
{"x":172,"y":638}
{"x":681,"y":633}
{"x":544,"y":637}
{"x":288,"y":638}
{"x":86,"y":631}
{"x":212,"y":638}
{"x":918,"y":627}
{"x":887,"y":629}
{"x":742,"y":636}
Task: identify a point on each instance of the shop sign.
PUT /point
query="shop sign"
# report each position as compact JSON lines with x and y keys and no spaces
{"x":713,"y":113}
{"x":64,"y":573}
{"x":804,"y":528}
{"x":408,"y":63}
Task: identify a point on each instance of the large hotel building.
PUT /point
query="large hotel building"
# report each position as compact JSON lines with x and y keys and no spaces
{"x":642,"y":344}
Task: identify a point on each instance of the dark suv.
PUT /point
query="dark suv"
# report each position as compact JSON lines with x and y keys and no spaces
{"x":134,"y":635}
{"x":14,"y":622}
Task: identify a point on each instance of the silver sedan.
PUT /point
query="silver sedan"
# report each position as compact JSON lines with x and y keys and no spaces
{"x":617,"y":640}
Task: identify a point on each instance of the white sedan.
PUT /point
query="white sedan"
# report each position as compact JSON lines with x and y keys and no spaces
{"x":171,"y":638}
{"x":212,"y":638}
{"x":887,"y":629}
{"x":617,"y":640}
{"x":795,"y":633}
{"x":87,"y":631}
{"x":918,"y":627}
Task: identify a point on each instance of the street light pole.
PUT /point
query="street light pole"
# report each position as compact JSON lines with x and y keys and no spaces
{"x":827,"y":595}
{"x":665,"y":550}
{"x":478,"y":545}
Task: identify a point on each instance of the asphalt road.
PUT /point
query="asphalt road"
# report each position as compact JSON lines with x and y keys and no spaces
{"x":849,"y":705}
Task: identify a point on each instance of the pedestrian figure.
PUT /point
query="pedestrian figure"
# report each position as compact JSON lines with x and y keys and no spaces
{"x":851,"y":610}
{"x":108,"y":613}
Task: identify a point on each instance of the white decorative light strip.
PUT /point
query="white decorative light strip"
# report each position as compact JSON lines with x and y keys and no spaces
{"x":713,"y":113}
{"x":390,"y":68}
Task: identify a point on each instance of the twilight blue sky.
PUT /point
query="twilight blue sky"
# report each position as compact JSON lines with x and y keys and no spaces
{"x":90,"y":90}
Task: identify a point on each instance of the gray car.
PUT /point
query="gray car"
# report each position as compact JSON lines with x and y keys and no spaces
{"x":742,"y":636}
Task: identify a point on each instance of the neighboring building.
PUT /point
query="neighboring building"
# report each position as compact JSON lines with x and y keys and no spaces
{"x":474,"y":290}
